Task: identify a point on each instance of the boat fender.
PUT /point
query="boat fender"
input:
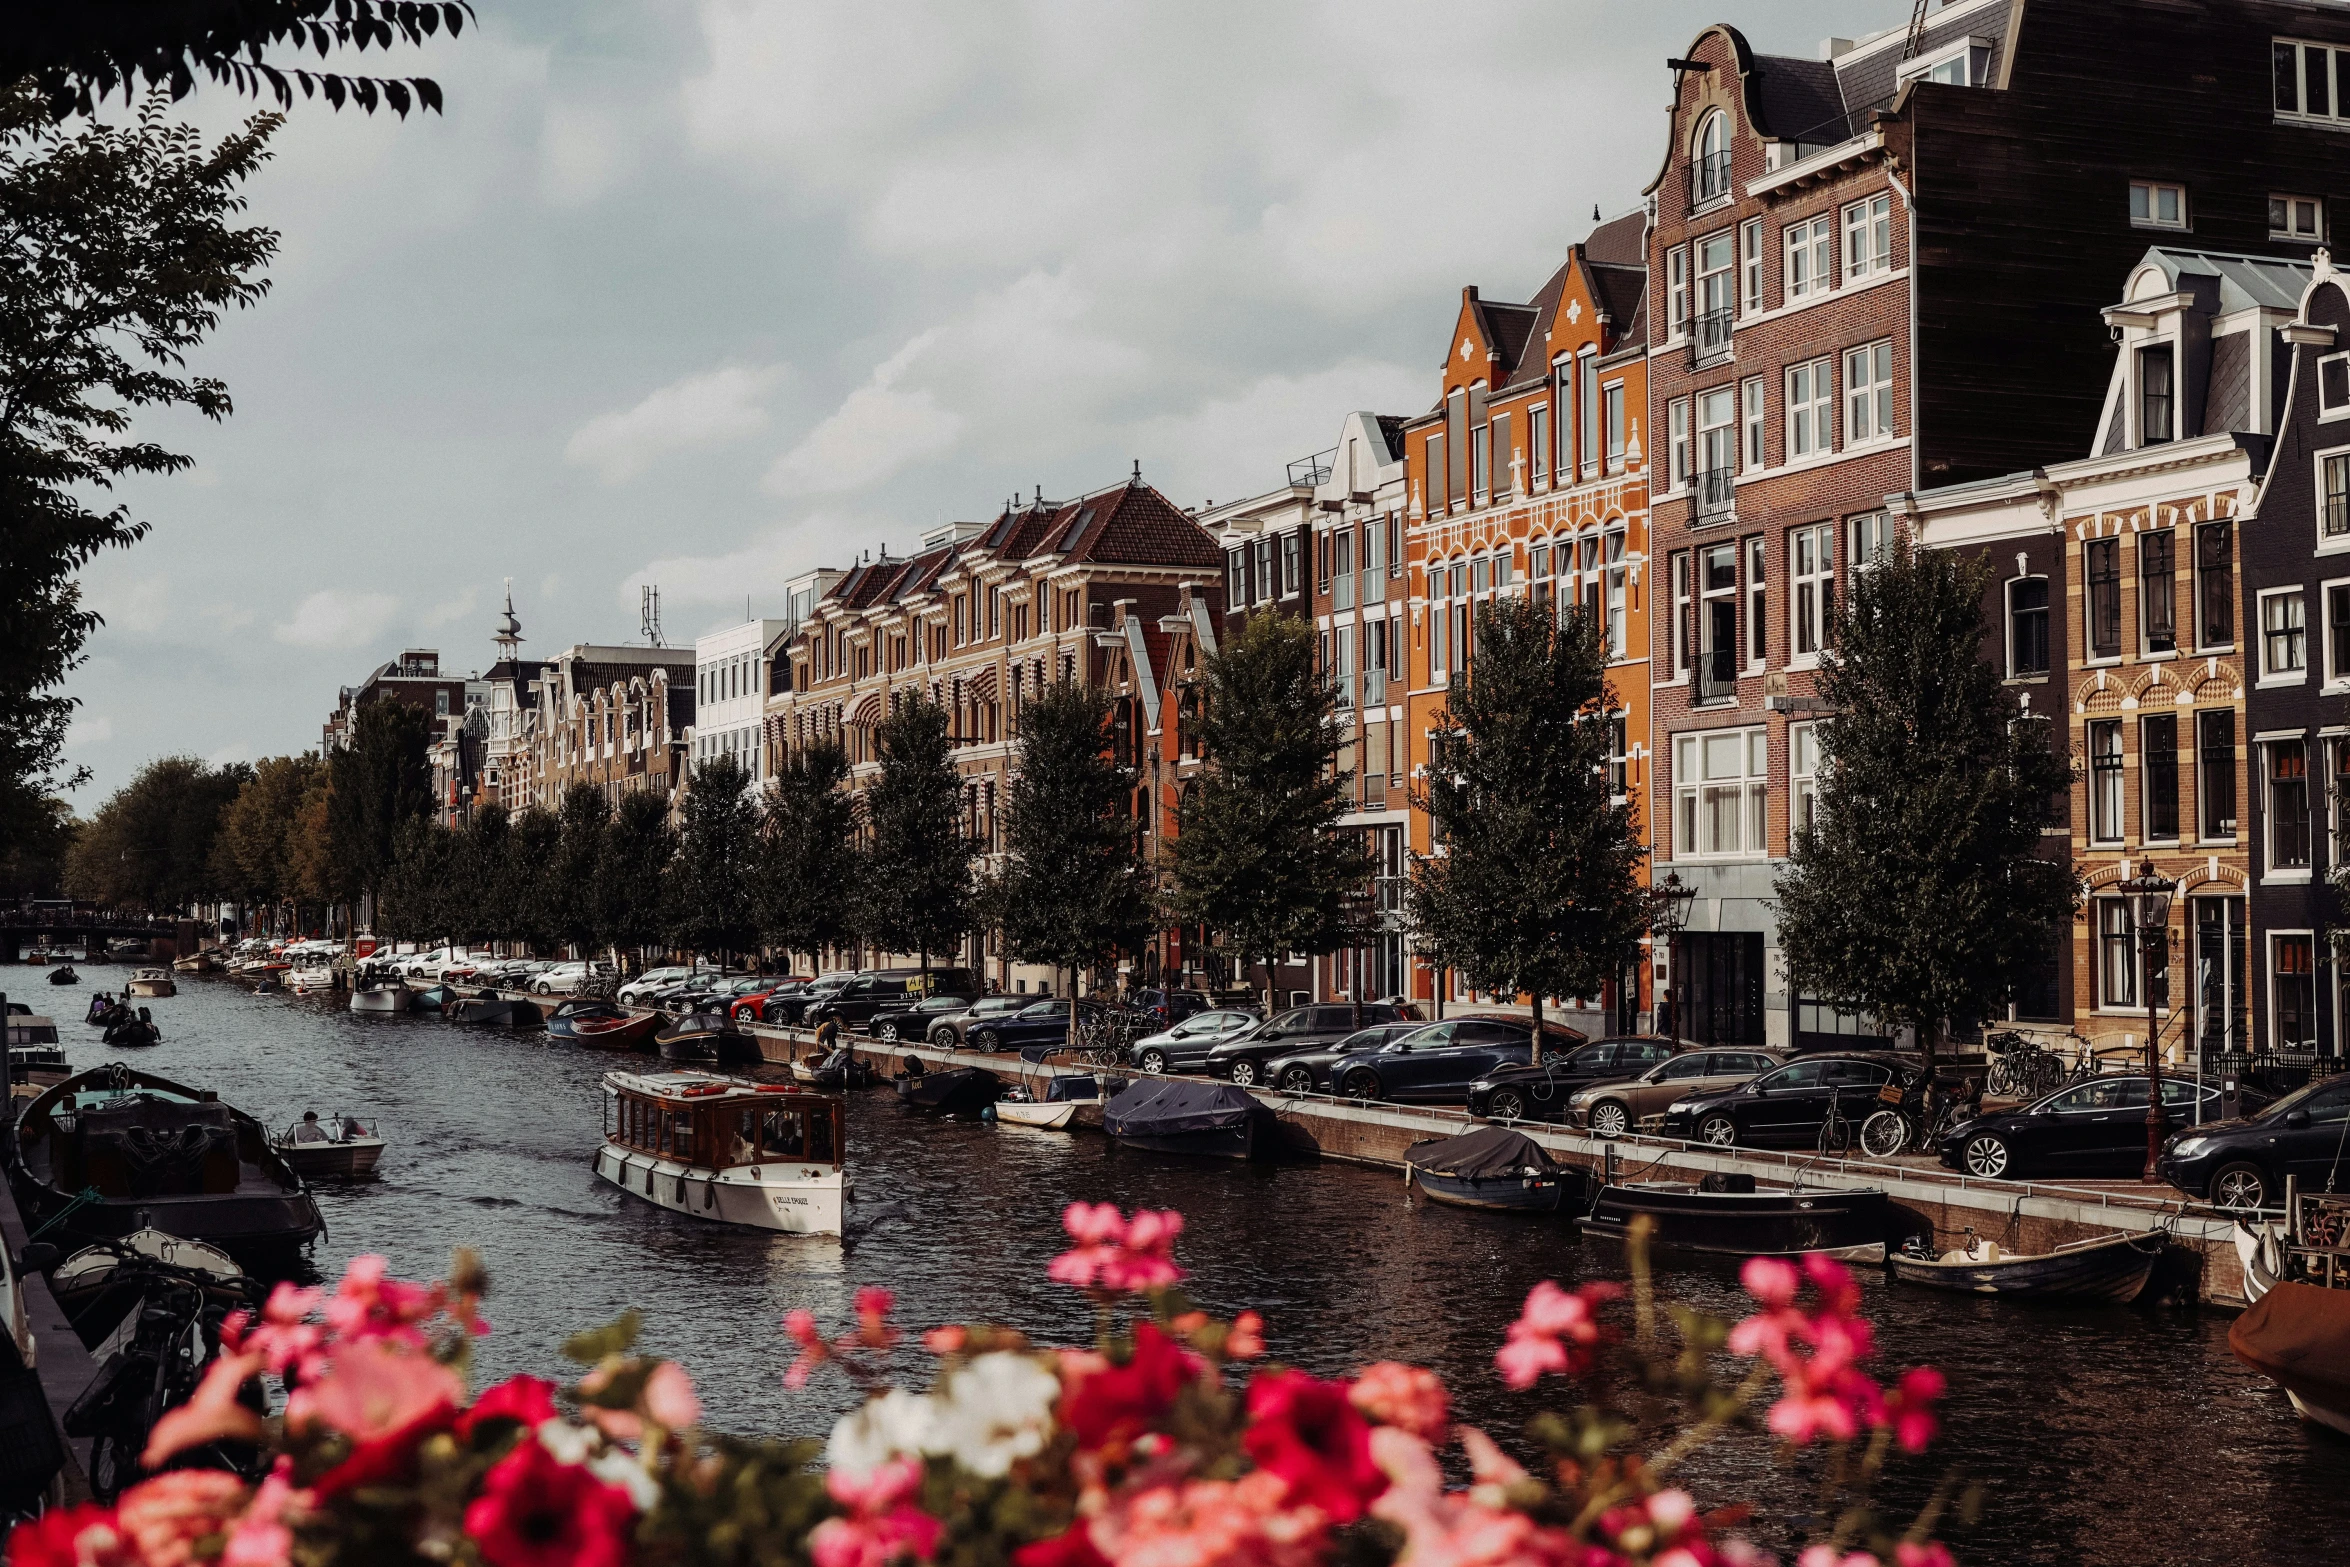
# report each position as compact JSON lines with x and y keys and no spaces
{"x":709,"y":1193}
{"x":987,"y":1114}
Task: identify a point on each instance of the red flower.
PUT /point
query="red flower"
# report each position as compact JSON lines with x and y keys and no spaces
{"x":1124,"y":1400}
{"x":523,"y":1399}
{"x":1073,"y":1549}
{"x":535,"y":1511}
{"x":1307,"y":1432}
{"x":83,"y":1536}
{"x":389,"y":1457}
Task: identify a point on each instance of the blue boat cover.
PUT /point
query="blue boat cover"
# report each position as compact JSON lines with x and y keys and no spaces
{"x":1164,"y":1107}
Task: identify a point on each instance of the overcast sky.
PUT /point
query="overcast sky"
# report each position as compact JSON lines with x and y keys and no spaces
{"x":704,"y":294}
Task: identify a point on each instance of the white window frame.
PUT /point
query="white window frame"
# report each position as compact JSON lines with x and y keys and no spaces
{"x":2294,"y":634}
{"x":2330,"y":411}
{"x":1803,"y":789}
{"x":1716,"y":287}
{"x":2335,"y":651}
{"x":1971,"y":55}
{"x":1700,"y":796}
{"x":1868,"y":394}
{"x":1618,"y":621}
{"x":2109,"y":787}
{"x":1717,"y":442}
{"x":1676,"y":293}
{"x":2263,"y":782}
{"x":2301,"y":47}
{"x":1811,"y":411}
{"x":2149,"y":194}
{"x":1811,"y":589}
{"x":1677,"y":448}
{"x":1538,"y":444}
{"x":1868,"y":238}
{"x":1681,"y":564}
{"x":1591,"y":431}
{"x":1750,"y":267}
{"x":1751,"y":409}
{"x":1876,"y":528}
{"x":1758,"y":605}
{"x":1616,"y":425}
{"x":1809,"y":257}
{"x":2294,"y":209}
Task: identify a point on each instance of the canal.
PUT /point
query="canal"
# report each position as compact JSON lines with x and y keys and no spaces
{"x":2102,"y":1436}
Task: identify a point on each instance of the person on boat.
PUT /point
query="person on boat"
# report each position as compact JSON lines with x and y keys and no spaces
{"x":352,"y":1130}
{"x":310,"y":1131}
{"x":827,"y":1032}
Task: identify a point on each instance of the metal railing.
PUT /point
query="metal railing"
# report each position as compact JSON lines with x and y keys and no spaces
{"x":1711,"y":332}
{"x":1709,"y":178}
{"x":1715,"y":490}
{"x":1314,"y":469}
{"x":1717,"y":675}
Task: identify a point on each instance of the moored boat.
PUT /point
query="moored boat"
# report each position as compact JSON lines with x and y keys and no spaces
{"x":2109,"y":1268}
{"x":957,"y":1090}
{"x":2298,"y":1336}
{"x":380,"y":997}
{"x":1494,"y":1167}
{"x":151,"y":983}
{"x":705,"y":1039}
{"x":1173,"y":1115}
{"x":36,"y":1058}
{"x":615,"y":1030}
{"x":196,"y":963}
{"x":310,"y":979}
{"x":769,"y":1155}
{"x":84,"y":1283}
{"x":1744,"y":1219}
{"x":1049,"y":1102}
{"x":485,"y":1011}
{"x":838,"y":1069}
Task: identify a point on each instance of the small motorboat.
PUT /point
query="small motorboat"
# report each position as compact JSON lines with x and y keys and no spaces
{"x":2108,"y":1268}
{"x":571,"y":1010}
{"x":1173,"y":1115}
{"x":380,"y":996}
{"x":705,"y":1039}
{"x":769,"y":1155}
{"x":133,"y":1030}
{"x":310,"y":979}
{"x":1492,"y":1167}
{"x":614,"y":1030}
{"x":487,"y":1011}
{"x":151,"y":983}
{"x":2298,"y":1336}
{"x":1050,"y":1103}
{"x":83,"y":1284}
{"x":1729,"y":1213}
{"x":958,"y":1090}
{"x":64,"y":976}
{"x":196,"y":963}
{"x":343,"y":1149}
{"x":838,"y":1070}
{"x":435,"y":998}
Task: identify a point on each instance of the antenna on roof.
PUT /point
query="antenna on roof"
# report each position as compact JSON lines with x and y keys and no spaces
{"x":1040,"y":495}
{"x":1137,"y":479}
{"x":649,"y":614}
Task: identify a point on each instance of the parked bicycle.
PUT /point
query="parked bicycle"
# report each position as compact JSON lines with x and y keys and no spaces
{"x":1916,"y":1117}
{"x":2024,"y":1068}
{"x":1105,"y":1034}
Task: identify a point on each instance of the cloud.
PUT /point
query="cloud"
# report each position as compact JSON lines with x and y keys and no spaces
{"x":234,"y":751}
{"x":140,"y":605}
{"x":759,"y":568}
{"x":711,"y":409}
{"x":331,"y":618}
{"x":1261,"y":426}
{"x":450,"y":611}
{"x":231,"y":617}
{"x":879,"y":429}
{"x":86,"y":730}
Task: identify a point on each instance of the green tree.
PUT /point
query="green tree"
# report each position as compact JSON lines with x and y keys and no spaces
{"x":637,"y":848}
{"x":917,"y":894}
{"x":413,"y":903}
{"x":1926,"y":892}
{"x":809,"y":858}
{"x":379,"y":780}
{"x":253,"y":858}
{"x":480,"y":896}
{"x":117,"y":259}
{"x":1258,"y":857}
{"x":32,"y":860}
{"x":1072,"y":891}
{"x":1538,"y":888}
{"x":575,"y":913}
{"x":150,"y":846}
{"x":711,"y":907}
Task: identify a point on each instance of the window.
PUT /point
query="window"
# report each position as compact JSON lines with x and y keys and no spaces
{"x":1811,"y":585}
{"x":1964,"y":66}
{"x":2105,"y":782}
{"x":2154,"y":395}
{"x":1439,"y":616}
{"x":2283,"y":640}
{"x":1439,"y":497}
{"x":1758,"y":623}
{"x":2215,"y":773}
{"x":1292,"y":564}
{"x":1617,"y":585}
{"x":1676,"y":293}
{"x":1717,"y":667}
{"x":1709,"y":169}
{"x":1374,"y":569}
{"x":1811,"y":399}
{"x":1868,"y":238}
{"x":1264,"y":578}
{"x":1480,"y":463}
{"x":1868,"y":394}
{"x":2337,"y":632}
{"x":1615,"y":425}
{"x":2158,"y":592}
{"x":2105,"y":597}
{"x":1677,"y":447}
{"x":1619,"y":759}
{"x":1750,"y":413}
{"x":2027,"y":627}
{"x":2288,"y":804}
{"x":2292,"y":990}
{"x":2158,"y":769}
{"x":2338,"y":802}
{"x":1538,"y":444}
{"x":1679,"y":572}
{"x":1717,"y":450}
{"x":2120,"y":957}
{"x":1720,"y":790}
{"x":2333,"y":385}
{"x":2158,"y":206}
{"x":1750,"y":266}
{"x":1811,"y":252}
{"x":1341,"y":560}
{"x":1587,"y":401}
{"x":1872,"y":537}
{"x":1342,"y":665}
{"x":1803,"y":767}
{"x":1714,"y":308}
{"x":2215,"y":586}
{"x":2305,"y":80}
{"x":2296,"y":218}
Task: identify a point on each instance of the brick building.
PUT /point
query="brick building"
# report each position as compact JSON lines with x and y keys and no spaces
{"x":613,"y":716}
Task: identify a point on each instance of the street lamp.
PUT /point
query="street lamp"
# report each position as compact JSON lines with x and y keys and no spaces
{"x":1666,"y":920}
{"x":2149,"y":895}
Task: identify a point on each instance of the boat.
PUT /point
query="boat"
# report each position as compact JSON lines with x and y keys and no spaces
{"x":342,"y":1149}
{"x":132,"y":1030}
{"x":2108,"y":1268}
{"x":310,"y":979}
{"x":487,"y":1010}
{"x":435,"y":998}
{"x":958,"y":1090}
{"x":705,"y":1039}
{"x":1173,"y":1115}
{"x":1730,"y":1213}
{"x":151,"y":983}
{"x":1049,"y":1102}
{"x":83,"y":1284}
{"x":2260,"y":1250}
{"x":616,"y":1031}
{"x":768,"y":1155}
{"x":2298,"y":1336}
{"x":36,"y":1058}
{"x":570,"y":1011}
{"x":114,"y":1149}
{"x":380,"y":996}
{"x":64,"y":976}
{"x":838,"y":1069}
{"x":1492,"y":1167}
{"x":196,"y":963}
{"x":1045,"y":1115}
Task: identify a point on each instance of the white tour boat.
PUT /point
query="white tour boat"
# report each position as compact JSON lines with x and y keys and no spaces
{"x":771,"y":1155}
{"x":152,"y":982}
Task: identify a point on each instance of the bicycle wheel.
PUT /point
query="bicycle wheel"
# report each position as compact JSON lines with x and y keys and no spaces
{"x":1999,"y":1080}
{"x":1883,"y":1134}
{"x":1835,"y":1134}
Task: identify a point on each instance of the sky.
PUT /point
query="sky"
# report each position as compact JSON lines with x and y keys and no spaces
{"x":705,"y":293}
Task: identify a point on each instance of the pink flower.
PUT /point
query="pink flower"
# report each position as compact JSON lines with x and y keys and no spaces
{"x":1458,"y":1529}
{"x":262,"y":1537}
{"x":81,"y":1536}
{"x":211,"y":1414}
{"x":873,"y":1308}
{"x":670,"y":1399}
{"x":1932,"y":1553}
{"x":1555,"y":1331}
{"x":524,"y":1400}
{"x":1307,"y":1432}
{"x":1246,"y":1341}
{"x":1114,"y":1255}
{"x":1769,"y":1280}
{"x":1408,"y":1396}
{"x":1818,"y":1352}
{"x":537,"y":1511}
{"x":882,"y":1524}
{"x":1912,"y":1409}
{"x":386,"y":1400}
{"x":164,"y":1518}
{"x":1826,"y":1556}
{"x":1211,"y":1523}
{"x":800,"y":1325}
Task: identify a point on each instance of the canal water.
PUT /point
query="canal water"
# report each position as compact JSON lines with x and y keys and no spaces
{"x":2124,"y":1436}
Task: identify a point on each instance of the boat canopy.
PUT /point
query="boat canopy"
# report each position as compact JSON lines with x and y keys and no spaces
{"x":2299,"y":1336}
{"x":1489,"y":1151}
{"x":1161,"y":1107}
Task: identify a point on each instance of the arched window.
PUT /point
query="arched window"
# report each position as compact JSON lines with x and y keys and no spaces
{"x":1709,"y":164}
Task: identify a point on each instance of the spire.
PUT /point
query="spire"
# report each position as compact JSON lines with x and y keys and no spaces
{"x":508,"y":636}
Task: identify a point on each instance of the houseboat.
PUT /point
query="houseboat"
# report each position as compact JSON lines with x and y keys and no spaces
{"x":768,"y":1155}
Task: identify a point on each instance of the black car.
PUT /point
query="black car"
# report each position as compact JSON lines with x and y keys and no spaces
{"x":1436,"y":1062}
{"x":854,"y":1004}
{"x":2243,"y":1163}
{"x":2091,"y":1129}
{"x":955,"y":1027}
{"x":1243,"y":1056}
{"x":910,"y":1017}
{"x":1044,"y":1022}
{"x":791,"y":1007}
{"x":1169,"y":1007}
{"x":1789,"y":1106}
{"x":1525,"y":1089}
{"x":1308,"y":1071}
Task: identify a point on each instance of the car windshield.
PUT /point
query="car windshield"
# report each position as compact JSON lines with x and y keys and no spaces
{"x":2299,"y":1098}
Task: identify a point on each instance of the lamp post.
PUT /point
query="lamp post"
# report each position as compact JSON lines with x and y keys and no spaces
{"x":1670,"y":916}
{"x":2149,"y":894}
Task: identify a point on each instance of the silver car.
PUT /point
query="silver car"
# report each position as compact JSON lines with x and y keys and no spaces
{"x":1184,"y":1048}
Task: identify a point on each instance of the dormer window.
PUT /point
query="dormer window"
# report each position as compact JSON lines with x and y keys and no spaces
{"x":1709,"y":165}
{"x":1966,"y":63}
{"x":2155,"y":397}
{"x":2154,"y":205}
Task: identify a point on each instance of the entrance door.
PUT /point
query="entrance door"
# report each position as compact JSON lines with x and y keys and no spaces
{"x":1722,"y":987}
{"x":2222,"y":1024}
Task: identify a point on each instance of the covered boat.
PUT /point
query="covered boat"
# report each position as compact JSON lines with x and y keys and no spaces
{"x":1171,"y":1115}
{"x":705,"y":1039}
{"x":769,"y":1155}
{"x":837,"y":1069}
{"x":2298,"y":1336}
{"x":1491,"y":1167}
{"x":1731,"y":1213}
{"x":486,"y":1011}
{"x":114,"y":1149}
{"x":1049,"y":1102}
{"x":959,"y":1090}
{"x":2109,"y":1268}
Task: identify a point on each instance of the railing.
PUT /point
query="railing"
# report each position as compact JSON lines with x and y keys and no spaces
{"x":1709,"y":179}
{"x":2273,"y":1069}
{"x":1717,"y":675}
{"x":1313,"y":470}
{"x":1715,"y":490}
{"x":1712,"y":332}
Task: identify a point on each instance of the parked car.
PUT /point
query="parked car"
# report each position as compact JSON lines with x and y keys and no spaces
{"x":652,"y":980}
{"x":438,"y":964}
{"x":1789,"y":1104}
{"x":1308,"y":1071}
{"x":1170,"y":1006}
{"x":910,"y":1017}
{"x":1613,"y":1108}
{"x":750,"y":1005}
{"x":1243,"y":1056}
{"x":1044,"y":1022}
{"x":790,"y":1006}
{"x":2243,"y":1163}
{"x":564,"y":979}
{"x":2091,"y":1129}
{"x":1529,"y":1090}
{"x":1185,"y":1047}
{"x":1437,"y":1062}
{"x":955,"y":1027}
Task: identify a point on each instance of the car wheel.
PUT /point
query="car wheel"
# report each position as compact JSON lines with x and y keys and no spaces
{"x":1297,"y":1080}
{"x":1610,"y":1119}
{"x":942,"y":1039}
{"x":984,"y":1039}
{"x":1244,"y":1073}
{"x":1507,"y":1104}
{"x":887,"y":1031}
{"x":1152,"y":1061}
{"x":2239,"y":1186}
{"x":1988,"y":1157}
{"x":546,"y":989}
{"x":1362,"y":1083}
{"x":1718,"y":1130}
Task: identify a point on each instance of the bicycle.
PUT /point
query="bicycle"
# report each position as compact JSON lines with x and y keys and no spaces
{"x":1836,"y":1131}
{"x":1105,"y":1034}
{"x":1916,"y":1118}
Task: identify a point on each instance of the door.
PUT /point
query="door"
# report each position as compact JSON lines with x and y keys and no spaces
{"x":1789,"y":1103}
{"x":1722,"y":987}
{"x":2115,"y":1143}
{"x":1476,"y":1050}
{"x":2222,"y":1025}
{"x":2064,"y":1131}
{"x":1651,"y":1095}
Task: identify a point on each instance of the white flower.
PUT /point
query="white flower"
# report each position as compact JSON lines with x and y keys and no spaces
{"x":628,"y":1472}
{"x":997,"y":1409}
{"x":569,"y":1443}
{"x":898,"y":1422}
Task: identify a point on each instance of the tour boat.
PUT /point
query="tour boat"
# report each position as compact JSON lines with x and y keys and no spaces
{"x":1176,"y":1115}
{"x":310,"y":979}
{"x":113,"y":1150}
{"x":2108,"y":1268}
{"x":345,"y":1150}
{"x":1730,"y":1213}
{"x":1492,"y":1167}
{"x":36,"y":1058}
{"x":769,"y":1155}
{"x":152,"y":982}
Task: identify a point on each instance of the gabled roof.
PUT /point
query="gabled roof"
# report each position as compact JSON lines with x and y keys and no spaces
{"x":1798,"y":100}
{"x":2244,"y":282}
{"x":1619,"y":241}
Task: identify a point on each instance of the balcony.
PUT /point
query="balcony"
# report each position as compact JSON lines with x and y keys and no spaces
{"x":1314,"y":470}
{"x":1714,"y":492}
{"x":1709,"y":179}
{"x":1717,"y":675}
{"x":1709,"y":336}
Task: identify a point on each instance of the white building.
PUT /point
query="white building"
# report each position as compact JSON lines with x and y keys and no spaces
{"x":730,"y":694}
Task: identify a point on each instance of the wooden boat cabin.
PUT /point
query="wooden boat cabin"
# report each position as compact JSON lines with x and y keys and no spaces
{"x":770,"y":1155}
